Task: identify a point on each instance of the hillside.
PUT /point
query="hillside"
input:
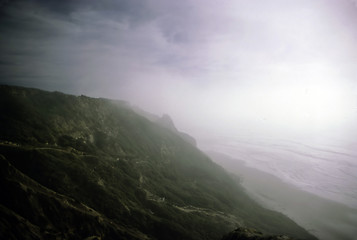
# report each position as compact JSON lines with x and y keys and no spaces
{"x":75,"y":167}
{"x":166,"y":122}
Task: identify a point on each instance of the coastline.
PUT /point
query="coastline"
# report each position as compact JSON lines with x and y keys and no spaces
{"x":323,"y":218}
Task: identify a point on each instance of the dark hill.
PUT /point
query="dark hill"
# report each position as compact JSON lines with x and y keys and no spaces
{"x":252,"y":234}
{"x":84,"y":168}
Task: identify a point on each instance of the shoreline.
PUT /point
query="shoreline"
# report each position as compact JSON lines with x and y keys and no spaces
{"x":326,"y":219}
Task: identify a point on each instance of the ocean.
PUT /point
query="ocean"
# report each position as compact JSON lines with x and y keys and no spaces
{"x":326,"y":169}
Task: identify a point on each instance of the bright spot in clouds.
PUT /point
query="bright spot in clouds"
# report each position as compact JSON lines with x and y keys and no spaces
{"x":313,"y":101}
{"x":216,"y":67}
{"x":303,"y":107}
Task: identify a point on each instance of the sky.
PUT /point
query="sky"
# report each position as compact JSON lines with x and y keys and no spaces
{"x":218,"y":68}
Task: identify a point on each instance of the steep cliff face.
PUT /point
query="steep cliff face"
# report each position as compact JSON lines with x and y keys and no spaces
{"x":77,"y":167}
{"x":166,"y":122}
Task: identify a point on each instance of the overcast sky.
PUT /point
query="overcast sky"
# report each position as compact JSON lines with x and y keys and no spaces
{"x":217,"y":67}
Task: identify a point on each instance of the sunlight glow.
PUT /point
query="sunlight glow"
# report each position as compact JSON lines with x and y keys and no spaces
{"x":300,"y":106}
{"x":291,"y":104}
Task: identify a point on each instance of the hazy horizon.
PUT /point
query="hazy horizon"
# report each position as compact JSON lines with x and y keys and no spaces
{"x":277,"y":68}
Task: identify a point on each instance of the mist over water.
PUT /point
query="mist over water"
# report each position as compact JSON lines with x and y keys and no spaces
{"x":327,"y":170}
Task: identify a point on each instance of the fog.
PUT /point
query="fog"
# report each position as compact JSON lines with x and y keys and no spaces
{"x":218,"y":68}
{"x":282,"y":70}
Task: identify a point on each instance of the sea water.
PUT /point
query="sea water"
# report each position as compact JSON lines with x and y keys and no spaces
{"x":325,"y":168}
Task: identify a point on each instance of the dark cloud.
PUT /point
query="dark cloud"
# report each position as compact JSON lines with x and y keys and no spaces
{"x":168,"y":55}
{"x":81,"y":36}
{"x":132,"y":11}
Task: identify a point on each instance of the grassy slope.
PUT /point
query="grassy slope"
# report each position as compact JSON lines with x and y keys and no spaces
{"x":134,"y":173}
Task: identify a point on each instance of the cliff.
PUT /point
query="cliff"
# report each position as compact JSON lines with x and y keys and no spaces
{"x":75,"y":167}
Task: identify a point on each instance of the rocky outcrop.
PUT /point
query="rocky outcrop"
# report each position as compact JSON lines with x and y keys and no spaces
{"x":166,"y":122}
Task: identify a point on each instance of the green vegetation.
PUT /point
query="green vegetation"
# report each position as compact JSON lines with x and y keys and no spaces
{"x":80,"y":167}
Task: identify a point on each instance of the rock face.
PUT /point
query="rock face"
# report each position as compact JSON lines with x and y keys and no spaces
{"x":83,"y":168}
{"x":252,"y":234}
{"x":166,"y":122}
